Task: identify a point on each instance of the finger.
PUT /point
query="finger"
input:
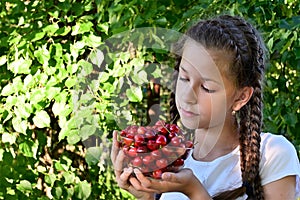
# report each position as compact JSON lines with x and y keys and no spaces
{"x":143,"y":179}
{"x":169,"y":176}
{"x":119,"y":161}
{"x":142,"y":182}
{"x":124,"y":178}
{"x":115,"y":147}
{"x":176,"y":177}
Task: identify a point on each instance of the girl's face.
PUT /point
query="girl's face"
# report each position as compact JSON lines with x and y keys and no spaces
{"x":204,"y":96}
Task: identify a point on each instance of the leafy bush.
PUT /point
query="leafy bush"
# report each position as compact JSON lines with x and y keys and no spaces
{"x":47,"y":124}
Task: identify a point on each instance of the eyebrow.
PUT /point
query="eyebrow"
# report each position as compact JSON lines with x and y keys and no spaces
{"x":205,"y":79}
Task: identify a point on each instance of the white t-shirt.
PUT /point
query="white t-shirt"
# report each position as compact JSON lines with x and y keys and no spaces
{"x":278,"y":159}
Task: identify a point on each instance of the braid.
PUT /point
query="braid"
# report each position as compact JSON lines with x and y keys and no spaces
{"x":256,"y":114}
{"x":252,"y":112}
{"x":233,"y":34}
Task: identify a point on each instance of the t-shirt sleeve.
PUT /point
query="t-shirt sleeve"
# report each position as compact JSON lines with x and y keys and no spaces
{"x":279,"y":159}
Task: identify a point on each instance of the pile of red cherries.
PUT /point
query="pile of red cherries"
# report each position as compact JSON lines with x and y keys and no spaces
{"x":155,"y":149}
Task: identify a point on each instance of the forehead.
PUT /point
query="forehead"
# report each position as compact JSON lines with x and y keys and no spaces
{"x":212,"y":59}
{"x":200,"y":61}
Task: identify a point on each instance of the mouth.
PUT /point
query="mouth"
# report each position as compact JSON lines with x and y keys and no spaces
{"x":188,"y":113}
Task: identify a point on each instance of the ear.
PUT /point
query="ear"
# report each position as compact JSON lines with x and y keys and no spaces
{"x":242,"y":97}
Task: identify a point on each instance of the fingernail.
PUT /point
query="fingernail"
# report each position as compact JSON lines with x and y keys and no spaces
{"x":127,"y":170}
{"x":166,"y":176}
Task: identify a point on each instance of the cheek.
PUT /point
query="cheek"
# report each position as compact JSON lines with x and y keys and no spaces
{"x":218,"y":108}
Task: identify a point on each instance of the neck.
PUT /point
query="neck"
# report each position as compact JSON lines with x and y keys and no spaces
{"x":214,"y":142}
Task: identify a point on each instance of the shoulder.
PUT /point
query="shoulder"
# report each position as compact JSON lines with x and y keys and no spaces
{"x":272,"y":141}
{"x":278,"y":143}
{"x":278,"y":158}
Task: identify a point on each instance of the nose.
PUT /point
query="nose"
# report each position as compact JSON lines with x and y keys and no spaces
{"x":189,"y":95}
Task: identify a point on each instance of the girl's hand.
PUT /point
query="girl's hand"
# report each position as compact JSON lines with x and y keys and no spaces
{"x":184,"y":181}
{"x":124,"y":176}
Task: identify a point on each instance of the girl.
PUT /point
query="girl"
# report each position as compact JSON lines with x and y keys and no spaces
{"x":219,"y":94}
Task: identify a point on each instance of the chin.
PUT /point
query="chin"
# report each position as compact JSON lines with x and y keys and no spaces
{"x":190,"y":124}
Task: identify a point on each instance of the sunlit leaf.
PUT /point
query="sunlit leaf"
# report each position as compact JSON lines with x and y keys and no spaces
{"x":41,"y":119}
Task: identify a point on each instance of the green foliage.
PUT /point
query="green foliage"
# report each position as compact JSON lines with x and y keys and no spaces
{"x":55,"y":138}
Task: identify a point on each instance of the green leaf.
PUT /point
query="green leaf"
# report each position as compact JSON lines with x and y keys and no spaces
{"x":104,"y":27}
{"x":86,"y":131}
{"x":57,"y":192}
{"x":23,"y":110}
{"x":2,"y":60}
{"x":140,"y":78}
{"x":70,"y":82}
{"x":69,"y":177}
{"x":41,"y":119}
{"x":38,"y":36}
{"x":103,"y":77}
{"x":63,"y":31}
{"x":8,"y":138}
{"x":7,"y":90}
{"x":42,"y":55}
{"x":134,"y":94}
{"x":83,"y":189}
{"x":51,"y":29}
{"x":37,"y":96}
{"x":20,"y":66}
{"x":24,"y":186}
{"x":50,"y":179}
{"x":157,"y":73}
{"x":27,"y":149}
{"x":19,"y":125}
{"x":87,"y":67}
{"x":81,"y":28}
{"x":93,"y":154}
{"x":57,"y":108}
{"x":73,"y":137}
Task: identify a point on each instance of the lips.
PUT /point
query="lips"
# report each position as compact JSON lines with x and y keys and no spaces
{"x":188,"y":113}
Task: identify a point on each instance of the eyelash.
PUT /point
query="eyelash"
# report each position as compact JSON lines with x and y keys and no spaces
{"x":202,"y":86}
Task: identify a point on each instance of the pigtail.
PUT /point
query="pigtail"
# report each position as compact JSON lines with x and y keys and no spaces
{"x":256,"y":107}
{"x":251,"y":113}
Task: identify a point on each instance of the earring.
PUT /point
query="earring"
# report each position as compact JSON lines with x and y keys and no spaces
{"x":233,"y":113}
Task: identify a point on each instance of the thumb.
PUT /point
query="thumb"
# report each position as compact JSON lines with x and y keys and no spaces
{"x":176,"y":177}
{"x":169,"y":176}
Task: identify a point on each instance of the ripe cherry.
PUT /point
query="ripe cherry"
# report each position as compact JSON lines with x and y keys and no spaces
{"x":178,"y":162}
{"x":132,"y":152}
{"x":141,"y":130}
{"x":152,"y":145}
{"x":139,"y":140}
{"x":123,"y":133}
{"x":156,"y":154}
{"x":171,"y":135}
{"x":161,"y":140}
{"x":157,"y":174}
{"x":147,"y":160}
{"x":176,"y":141}
{"x":167,"y":150}
{"x":174,"y":128}
{"x":141,"y":149}
{"x":127,"y":141}
{"x":137,"y":161}
{"x":189,"y":144}
{"x":161,"y":163}
{"x":163,"y":130}
{"x":150,"y":134}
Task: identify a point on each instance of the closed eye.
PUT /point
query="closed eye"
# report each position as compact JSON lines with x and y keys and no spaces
{"x":207,"y":90}
{"x":183,"y":79}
